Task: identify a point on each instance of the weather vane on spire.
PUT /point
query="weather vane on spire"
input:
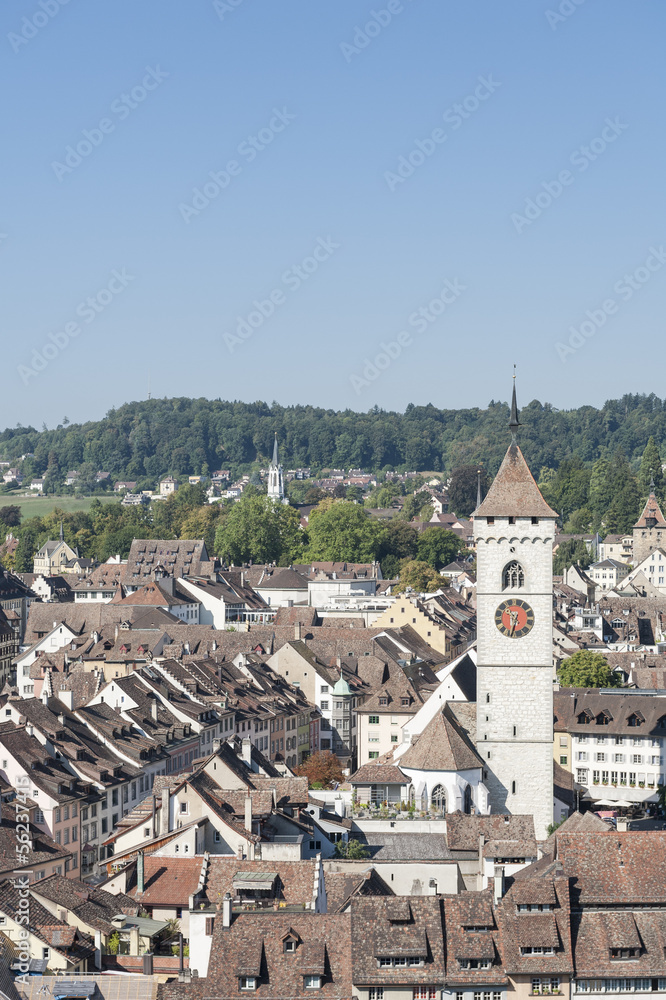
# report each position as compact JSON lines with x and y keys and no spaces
{"x":514,"y":422}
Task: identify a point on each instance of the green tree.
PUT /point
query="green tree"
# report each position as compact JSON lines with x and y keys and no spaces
{"x":341,"y":531}
{"x":260,"y":530}
{"x":463,"y":489}
{"x":599,"y":495}
{"x":569,"y":489}
{"x":417,"y":506}
{"x":650,"y":468}
{"x":580,"y":522}
{"x":351,"y":850}
{"x":438,"y":547}
{"x":572,"y":552}
{"x":399,"y":542}
{"x":10,"y":515}
{"x":420,"y":576}
{"x":587,"y":669}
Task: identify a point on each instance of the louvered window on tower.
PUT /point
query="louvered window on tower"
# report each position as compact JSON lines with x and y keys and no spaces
{"x":513,"y":576}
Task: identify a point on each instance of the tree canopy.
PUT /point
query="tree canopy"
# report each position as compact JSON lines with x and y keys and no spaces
{"x":587,"y":669}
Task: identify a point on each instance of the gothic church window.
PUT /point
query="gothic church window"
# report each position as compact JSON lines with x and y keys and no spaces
{"x":513,"y":576}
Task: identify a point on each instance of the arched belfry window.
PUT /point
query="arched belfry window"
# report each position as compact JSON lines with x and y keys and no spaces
{"x":513,"y":576}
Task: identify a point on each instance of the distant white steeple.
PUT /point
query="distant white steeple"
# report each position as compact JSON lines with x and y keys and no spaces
{"x":275,"y":477}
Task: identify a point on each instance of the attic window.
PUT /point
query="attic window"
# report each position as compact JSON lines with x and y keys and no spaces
{"x":635,"y":719}
{"x":490,"y":520}
{"x":624,"y":953}
{"x":290,"y":945}
{"x":604,"y":718}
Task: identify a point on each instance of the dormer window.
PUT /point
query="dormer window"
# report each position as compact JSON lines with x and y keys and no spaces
{"x":513,"y":576}
{"x":312,"y":982}
{"x":289,"y":945}
{"x":635,"y":719}
{"x":247,"y":982}
{"x":584,"y":719}
{"x":624,"y":954}
{"x":604,"y":718}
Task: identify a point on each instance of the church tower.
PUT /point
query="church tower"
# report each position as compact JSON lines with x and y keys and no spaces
{"x":275,"y":477}
{"x":650,"y":529}
{"x":514,"y":529}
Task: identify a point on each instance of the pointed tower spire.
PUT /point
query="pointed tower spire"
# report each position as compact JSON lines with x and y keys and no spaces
{"x":62,"y":534}
{"x":275,"y":451}
{"x":651,"y":482}
{"x":478,"y":487}
{"x":514,"y":422}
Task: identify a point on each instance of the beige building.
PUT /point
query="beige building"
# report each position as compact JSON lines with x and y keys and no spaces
{"x":50,"y":560}
{"x":607,"y":574}
{"x":407,"y":611}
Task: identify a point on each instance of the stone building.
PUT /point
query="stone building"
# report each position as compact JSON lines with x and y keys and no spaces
{"x":514,"y":529}
{"x":649,"y":530}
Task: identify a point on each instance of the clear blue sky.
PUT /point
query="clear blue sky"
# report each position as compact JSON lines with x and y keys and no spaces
{"x":349,"y":106}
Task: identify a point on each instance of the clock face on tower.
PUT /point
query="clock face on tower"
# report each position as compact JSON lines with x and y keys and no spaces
{"x":514,"y":618}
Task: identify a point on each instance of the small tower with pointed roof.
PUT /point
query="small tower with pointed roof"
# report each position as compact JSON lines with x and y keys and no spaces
{"x":276,"y":477}
{"x":650,"y":529}
{"x":514,"y":529}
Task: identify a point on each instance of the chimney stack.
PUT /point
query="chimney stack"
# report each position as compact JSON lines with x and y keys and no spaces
{"x":297,"y":630}
{"x":226,"y":910}
{"x":498,"y":884}
{"x":153,"y":708}
{"x":248,"y":811}
{"x":246,"y":752}
{"x":164,"y":812}
{"x":140,"y":881}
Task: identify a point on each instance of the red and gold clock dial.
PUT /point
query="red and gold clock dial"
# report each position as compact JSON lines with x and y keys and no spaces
{"x":514,"y":618}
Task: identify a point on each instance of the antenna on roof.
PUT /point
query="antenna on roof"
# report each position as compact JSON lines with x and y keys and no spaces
{"x":148,"y":385}
{"x":514,"y":422}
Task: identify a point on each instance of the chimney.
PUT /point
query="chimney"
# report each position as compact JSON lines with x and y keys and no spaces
{"x":297,"y":630}
{"x":153,"y":828}
{"x":239,"y":852}
{"x":164,"y":812}
{"x":242,"y":579}
{"x":246,"y":752}
{"x":140,"y":882}
{"x":248,"y":811}
{"x":153,"y":709}
{"x":116,"y":630}
{"x":226,"y":910}
{"x":148,"y":963}
{"x":498,"y":884}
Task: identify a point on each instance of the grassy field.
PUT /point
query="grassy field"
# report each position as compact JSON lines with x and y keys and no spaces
{"x":40,"y":506}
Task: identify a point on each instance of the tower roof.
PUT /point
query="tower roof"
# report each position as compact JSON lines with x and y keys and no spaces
{"x":652,"y":515}
{"x":341,"y":687}
{"x":514,"y":493}
{"x":275,"y":451}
